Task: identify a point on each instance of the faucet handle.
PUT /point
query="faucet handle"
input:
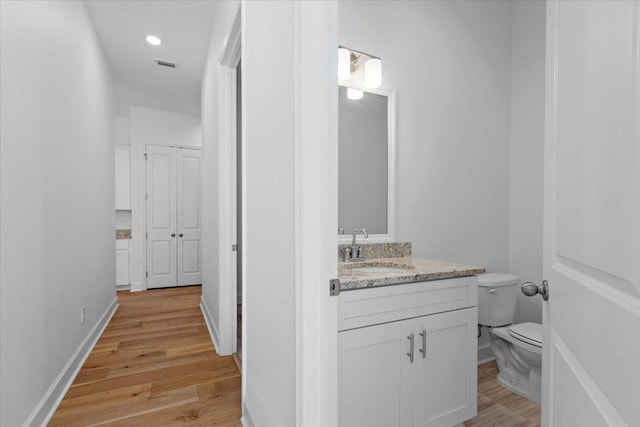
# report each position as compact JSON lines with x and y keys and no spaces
{"x":360,"y":254}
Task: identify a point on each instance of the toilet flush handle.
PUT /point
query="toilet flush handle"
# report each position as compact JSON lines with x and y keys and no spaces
{"x":530,"y":289}
{"x":492,"y":290}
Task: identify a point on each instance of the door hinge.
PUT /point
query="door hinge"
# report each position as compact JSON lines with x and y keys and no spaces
{"x":334,"y":287}
{"x":234,"y":248}
{"x":147,"y":274}
{"x":145,"y":156}
{"x":146,"y":196}
{"x":146,"y":235}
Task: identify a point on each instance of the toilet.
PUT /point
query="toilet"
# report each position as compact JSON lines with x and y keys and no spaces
{"x":517,"y":347}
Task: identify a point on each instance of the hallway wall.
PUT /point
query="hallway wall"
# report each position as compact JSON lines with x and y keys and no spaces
{"x":57,"y":247}
{"x":210,"y":204}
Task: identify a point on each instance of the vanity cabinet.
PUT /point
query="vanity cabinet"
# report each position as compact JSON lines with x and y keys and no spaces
{"x":380,"y":382}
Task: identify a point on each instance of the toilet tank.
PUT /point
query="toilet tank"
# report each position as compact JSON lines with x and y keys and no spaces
{"x":497,"y":293}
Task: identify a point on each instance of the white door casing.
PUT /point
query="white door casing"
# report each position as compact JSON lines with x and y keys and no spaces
{"x":592,"y":215}
{"x":161,"y":217}
{"x":188,"y":216}
{"x":173,"y":216}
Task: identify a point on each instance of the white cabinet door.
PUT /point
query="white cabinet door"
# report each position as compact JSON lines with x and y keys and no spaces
{"x":445,"y":368}
{"x":122,"y":267}
{"x":374,"y":376}
{"x":161,"y":217}
{"x":188,"y":217}
{"x":122,"y":172}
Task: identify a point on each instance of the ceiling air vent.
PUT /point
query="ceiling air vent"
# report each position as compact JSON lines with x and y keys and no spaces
{"x":165,"y":63}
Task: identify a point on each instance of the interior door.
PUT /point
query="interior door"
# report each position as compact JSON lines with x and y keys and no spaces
{"x":591,"y":355}
{"x":188,"y":217}
{"x":161,"y":217}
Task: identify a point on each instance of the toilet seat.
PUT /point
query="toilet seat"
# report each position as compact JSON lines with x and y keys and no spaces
{"x":528,"y":332}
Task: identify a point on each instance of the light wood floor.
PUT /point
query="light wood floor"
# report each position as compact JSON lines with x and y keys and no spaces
{"x":499,"y":407}
{"x":154,"y":366}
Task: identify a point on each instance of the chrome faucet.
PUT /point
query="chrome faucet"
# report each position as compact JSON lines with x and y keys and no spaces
{"x":354,"y":253}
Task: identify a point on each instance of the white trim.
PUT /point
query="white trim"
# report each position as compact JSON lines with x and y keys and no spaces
{"x":389,"y":236}
{"x":138,"y":286}
{"x":211,"y":326}
{"x":42,"y":413}
{"x":227,"y":190}
{"x":316,"y":210}
{"x":247,"y":418}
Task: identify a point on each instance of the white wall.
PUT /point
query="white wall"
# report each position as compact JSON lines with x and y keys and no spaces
{"x":450,"y":65}
{"x":210,"y":282}
{"x":156,"y":127}
{"x":57,"y":195}
{"x":527,"y":150}
{"x":269,"y":239}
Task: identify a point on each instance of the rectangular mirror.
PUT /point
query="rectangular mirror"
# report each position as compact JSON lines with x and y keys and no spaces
{"x":366,"y":155}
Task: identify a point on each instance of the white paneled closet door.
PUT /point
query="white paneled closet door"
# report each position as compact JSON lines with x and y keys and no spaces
{"x":173,"y":216}
{"x":189,"y":225}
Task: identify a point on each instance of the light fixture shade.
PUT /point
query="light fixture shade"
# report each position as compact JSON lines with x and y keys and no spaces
{"x":344,"y":64}
{"x":153,"y":40}
{"x":373,"y":73}
{"x":354,"y":93}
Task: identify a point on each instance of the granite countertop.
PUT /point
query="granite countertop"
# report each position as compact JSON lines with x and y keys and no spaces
{"x":413,"y":270}
{"x":122,"y":234}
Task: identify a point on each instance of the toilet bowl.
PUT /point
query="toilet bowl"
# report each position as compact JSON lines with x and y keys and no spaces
{"x":517,"y":347}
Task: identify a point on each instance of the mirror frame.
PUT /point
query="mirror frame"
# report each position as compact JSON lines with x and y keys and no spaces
{"x":391,"y":171}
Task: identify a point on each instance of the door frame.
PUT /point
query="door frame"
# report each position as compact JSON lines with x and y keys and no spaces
{"x":227,"y":188}
{"x":316,"y":193}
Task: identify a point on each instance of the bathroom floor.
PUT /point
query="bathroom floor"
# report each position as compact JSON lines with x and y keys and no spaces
{"x":499,"y":407}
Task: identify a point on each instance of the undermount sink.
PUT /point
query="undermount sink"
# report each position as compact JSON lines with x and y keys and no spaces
{"x":379,"y":270}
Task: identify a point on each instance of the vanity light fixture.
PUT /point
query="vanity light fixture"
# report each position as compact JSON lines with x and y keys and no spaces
{"x":373,"y":73}
{"x":354,"y":93}
{"x":358,"y":69}
{"x":344,"y":64}
{"x":154,"y":40}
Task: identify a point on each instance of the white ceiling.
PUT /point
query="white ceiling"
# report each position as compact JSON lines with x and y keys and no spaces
{"x":184,"y":27}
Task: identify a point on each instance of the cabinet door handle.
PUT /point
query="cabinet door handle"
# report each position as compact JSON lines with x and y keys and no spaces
{"x":173,"y":234}
{"x":180,"y":235}
{"x":410,"y":354}
{"x":423,"y":350}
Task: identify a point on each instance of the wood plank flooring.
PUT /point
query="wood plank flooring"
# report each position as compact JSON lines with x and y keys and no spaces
{"x":499,"y":407}
{"x":154,"y":366}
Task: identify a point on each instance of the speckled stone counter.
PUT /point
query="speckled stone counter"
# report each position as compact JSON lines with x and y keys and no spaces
{"x":123,"y":234}
{"x":379,"y":250}
{"x":412,"y":270}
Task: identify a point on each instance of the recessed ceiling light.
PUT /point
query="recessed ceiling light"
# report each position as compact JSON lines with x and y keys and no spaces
{"x":154,"y":40}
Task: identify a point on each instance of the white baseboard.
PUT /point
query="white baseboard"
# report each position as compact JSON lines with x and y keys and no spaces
{"x":47,"y":406}
{"x":247,"y":419}
{"x":138,"y":286}
{"x":485,"y":354}
{"x":123,"y":287}
{"x":211,"y":326}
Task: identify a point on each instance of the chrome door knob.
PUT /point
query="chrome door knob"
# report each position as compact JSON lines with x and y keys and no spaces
{"x":530,"y":289}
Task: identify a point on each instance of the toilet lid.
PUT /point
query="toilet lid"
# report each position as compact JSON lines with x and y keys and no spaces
{"x":497,"y":279}
{"x":528,"y":332}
